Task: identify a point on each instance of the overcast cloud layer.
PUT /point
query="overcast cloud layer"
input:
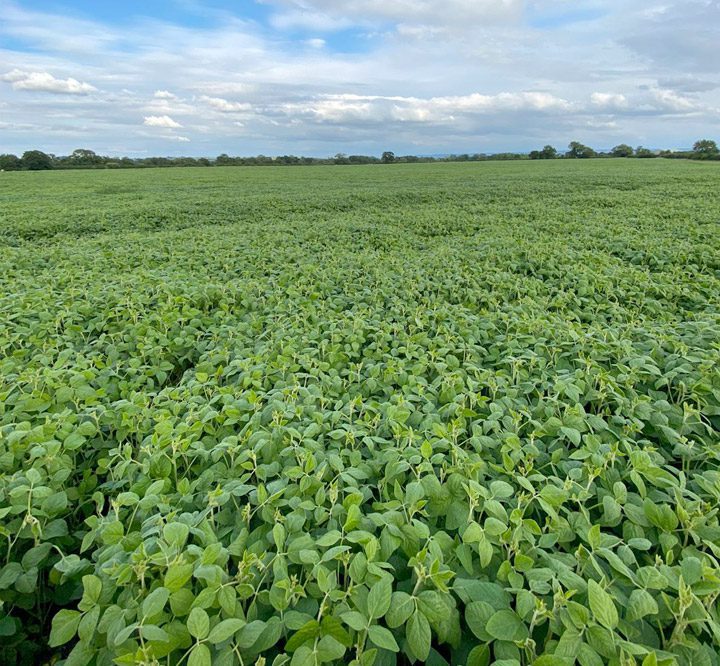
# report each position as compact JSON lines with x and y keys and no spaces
{"x":317,"y":77}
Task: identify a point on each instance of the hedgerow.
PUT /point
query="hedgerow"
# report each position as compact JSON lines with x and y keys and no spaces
{"x":456,"y":414}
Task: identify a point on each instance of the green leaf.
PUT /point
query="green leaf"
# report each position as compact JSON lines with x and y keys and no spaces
{"x":331,"y":626}
{"x":177,"y":575}
{"x":692,"y":570}
{"x":64,"y":626}
{"x":401,"y":608}
{"x":602,"y":606}
{"x":198,"y":623}
{"x":640,"y":604}
{"x":506,"y":625}
{"x":355,"y":620}
{"x":383,"y":638}
{"x":477,"y":615}
{"x":7,"y":626}
{"x":176,"y":534}
{"x":329,"y":649}
{"x":81,"y":655}
{"x":573,"y":435}
{"x":303,"y":656}
{"x":225,"y":629}
{"x":552,"y":660}
{"x":151,"y":632}
{"x":88,"y":624}
{"x":125,"y":633}
{"x":586,"y":656}
{"x":479,"y":656}
{"x":419,"y":636}
{"x":378,"y":601}
{"x":570,"y":643}
{"x":250,"y":633}
{"x":200,"y":656}
{"x":473,"y":533}
{"x":155,"y":601}
{"x":307,"y":632}
{"x":353,"y":519}
{"x":92,"y":589}
{"x":279,"y":535}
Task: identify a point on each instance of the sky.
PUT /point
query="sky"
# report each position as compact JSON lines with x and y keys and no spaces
{"x":320,"y":77}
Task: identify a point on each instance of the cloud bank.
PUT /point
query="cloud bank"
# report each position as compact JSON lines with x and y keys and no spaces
{"x":324,"y":76}
{"x":46,"y":82}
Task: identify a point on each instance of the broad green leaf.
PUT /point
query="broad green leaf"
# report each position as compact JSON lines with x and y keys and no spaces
{"x":641,"y":604}
{"x":176,"y":534}
{"x":200,"y":656}
{"x":505,"y":625}
{"x":383,"y":638}
{"x":64,"y":626}
{"x":477,"y":615}
{"x":328,"y":649}
{"x":355,"y":620}
{"x":418,"y":634}
{"x":177,"y":575}
{"x":602,"y":606}
{"x":155,"y":601}
{"x":378,"y":600}
{"x":479,"y":656}
{"x":198,"y":623}
{"x":92,"y":589}
{"x":401,"y":608}
{"x":225,"y":629}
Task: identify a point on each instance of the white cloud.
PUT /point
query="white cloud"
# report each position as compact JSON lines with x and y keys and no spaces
{"x":46,"y":82}
{"x":164,"y":94}
{"x":609,"y":101}
{"x":216,"y":88}
{"x":327,"y":15}
{"x":315,"y":43}
{"x":224,"y":105}
{"x":669,"y":100}
{"x":373,"y":108}
{"x":181,"y":139}
{"x":161,"y":121}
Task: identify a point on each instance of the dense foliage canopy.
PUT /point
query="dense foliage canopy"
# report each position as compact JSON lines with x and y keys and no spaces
{"x":461,"y":413}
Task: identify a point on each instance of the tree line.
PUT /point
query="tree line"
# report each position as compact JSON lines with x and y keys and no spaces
{"x":36,"y":160}
{"x":704,"y":149}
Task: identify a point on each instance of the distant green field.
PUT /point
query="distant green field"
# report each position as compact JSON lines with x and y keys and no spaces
{"x":443,"y":413}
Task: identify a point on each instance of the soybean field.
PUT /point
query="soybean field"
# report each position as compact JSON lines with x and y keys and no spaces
{"x":396,"y":414}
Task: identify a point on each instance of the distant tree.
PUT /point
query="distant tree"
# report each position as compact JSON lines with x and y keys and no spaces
{"x":288,"y":159}
{"x":10,"y":163}
{"x":362,"y":159}
{"x":84,"y":158}
{"x":642,"y":152}
{"x":36,"y":160}
{"x":578,"y":151}
{"x":547,"y":153}
{"x":224,"y":160}
{"x":388,"y":157}
{"x":705,"y":148}
{"x":623,"y":150}
{"x":156,"y":162}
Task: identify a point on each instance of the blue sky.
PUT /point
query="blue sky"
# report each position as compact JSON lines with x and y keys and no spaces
{"x":318,"y":77}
